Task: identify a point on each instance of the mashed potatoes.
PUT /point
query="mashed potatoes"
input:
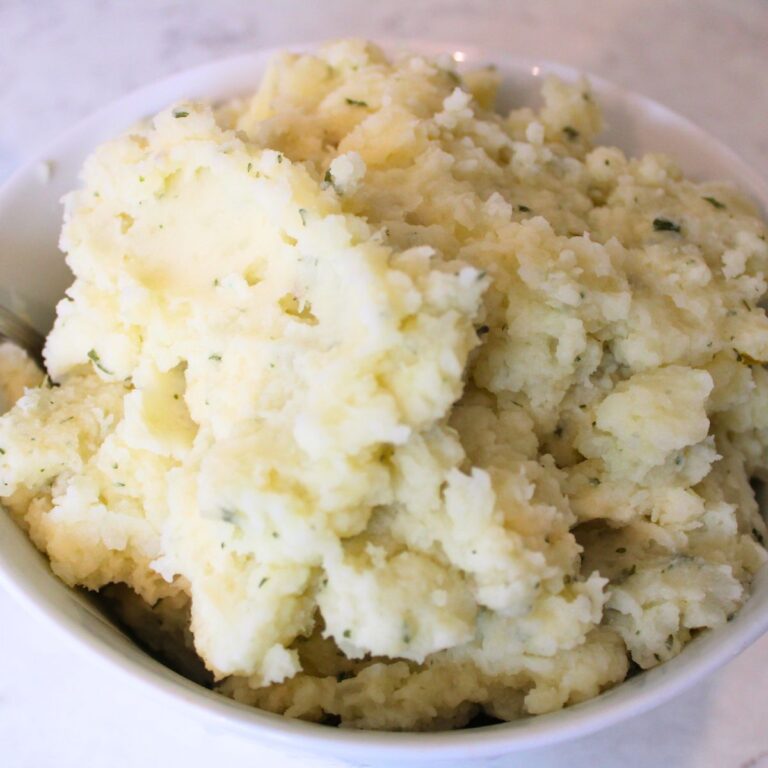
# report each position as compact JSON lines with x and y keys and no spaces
{"x":416,"y":408}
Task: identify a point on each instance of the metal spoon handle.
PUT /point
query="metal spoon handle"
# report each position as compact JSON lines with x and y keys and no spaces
{"x":22,"y":334}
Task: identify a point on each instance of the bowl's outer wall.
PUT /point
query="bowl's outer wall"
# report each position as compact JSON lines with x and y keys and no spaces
{"x":35,"y":277}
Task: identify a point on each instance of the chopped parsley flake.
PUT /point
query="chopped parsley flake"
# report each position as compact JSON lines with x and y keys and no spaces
{"x":180,"y":113}
{"x":303,"y":214}
{"x":214,"y":357}
{"x":263,"y":581}
{"x":347,"y":633}
{"x":571,"y":133}
{"x":2,"y":451}
{"x":94,"y":356}
{"x":356,"y":102}
{"x":714,"y":202}
{"x":665,"y":225}
{"x":248,"y":169}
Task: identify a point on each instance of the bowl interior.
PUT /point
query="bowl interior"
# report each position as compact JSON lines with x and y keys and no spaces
{"x":35,"y":277}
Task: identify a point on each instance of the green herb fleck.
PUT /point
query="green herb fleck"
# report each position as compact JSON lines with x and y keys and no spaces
{"x":275,"y":535}
{"x":746,"y":305}
{"x":180,"y":113}
{"x":678,"y":461}
{"x":175,"y":395}
{"x":2,"y":451}
{"x":715,"y":202}
{"x":356,"y":103}
{"x":248,"y":169}
{"x":94,"y":356}
{"x":114,"y":466}
{"x":303,"y":214}
{"x":665,"y":225}
{"x":214,"y":357}
{"x":216,"y":283}
{"x":347,"y":633}
{"x":571,"y":133}
{"x":263,"y":581}
{"x":328,"y":178}
{"x":141,"y":179}
{"x":120,"y":485}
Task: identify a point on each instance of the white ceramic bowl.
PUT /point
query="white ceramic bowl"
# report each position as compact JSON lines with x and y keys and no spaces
{"x":34,"y":278}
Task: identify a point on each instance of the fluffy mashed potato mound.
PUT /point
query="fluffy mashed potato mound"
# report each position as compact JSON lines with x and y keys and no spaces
{"x":416,"y":409}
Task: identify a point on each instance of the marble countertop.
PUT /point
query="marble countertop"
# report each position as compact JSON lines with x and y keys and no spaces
{"x":60,"y":59}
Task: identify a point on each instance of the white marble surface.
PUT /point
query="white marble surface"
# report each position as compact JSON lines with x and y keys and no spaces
{"x":60,"y":60}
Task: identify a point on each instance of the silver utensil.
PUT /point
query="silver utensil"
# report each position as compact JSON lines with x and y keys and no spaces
{"x":21,"y":333}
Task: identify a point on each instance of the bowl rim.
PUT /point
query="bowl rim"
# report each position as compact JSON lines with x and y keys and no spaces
{"x":663,"y":682}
